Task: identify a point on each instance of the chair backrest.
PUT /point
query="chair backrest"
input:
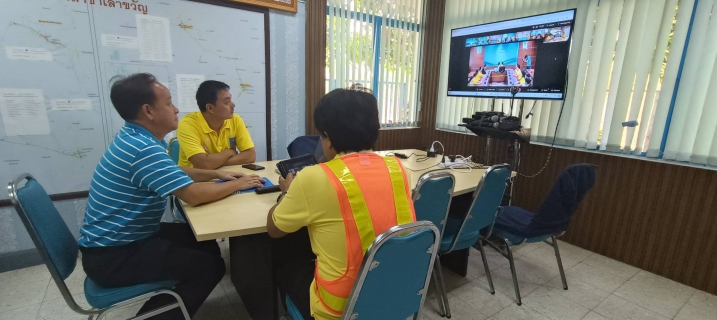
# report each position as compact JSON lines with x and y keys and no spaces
{"x":393,"y":280}
{"x":484,"y":208}
{"x":173,"y":150}
{"x":51,"y":236}
{"x":565,"y":195}
{"x":302,"y":146}
{"x":432,"y":197}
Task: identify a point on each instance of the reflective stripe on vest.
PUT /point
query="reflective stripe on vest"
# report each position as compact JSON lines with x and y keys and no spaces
{"x":363,"y":214}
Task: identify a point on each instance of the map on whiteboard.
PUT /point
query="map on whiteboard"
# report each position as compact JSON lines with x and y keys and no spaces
{"x":58,"y":58}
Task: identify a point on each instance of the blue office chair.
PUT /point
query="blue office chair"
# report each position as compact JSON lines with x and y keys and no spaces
{"x":462,"y":233}
{"x":304,"y":145}
{"x":394,"y":275}
{"x":174,"y":207}
{"x":514,"y":225}
{"x":59,"y":250}
{"x":432,"y":199}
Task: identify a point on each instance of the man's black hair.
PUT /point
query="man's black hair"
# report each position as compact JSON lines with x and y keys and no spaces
{"x":349,"y":118}
{"x":130,"y":93}
{"x":208,"y":91}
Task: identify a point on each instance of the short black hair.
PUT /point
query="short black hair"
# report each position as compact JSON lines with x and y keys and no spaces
{"x":130,"y":93}
{"x":208,"y":91}
{"x":349,"y":118}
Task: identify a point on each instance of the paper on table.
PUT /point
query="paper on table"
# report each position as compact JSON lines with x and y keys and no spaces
{"x":71,"y":104}
{"x":155,"y":43}
{"x":119,"y":41}
{"x":20,"y":53}
{"x":23,"y":112}
{"x":187,"y":85}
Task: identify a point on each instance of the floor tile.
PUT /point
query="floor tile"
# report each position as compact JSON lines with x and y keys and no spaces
{"x":23,"y":295}
{"x":75,"y":282}
{"x":554,"y":305}
{"x":217,"y":299}
{"x":526,"y":248}
{"x":586,"y":295}
{"x":452,"y":281}
{"x":598,"y":278}
{"x":24,"y":313}
{"x":460,"y":310}
{"x":594,"y":316}
{"x":656,"y":293}
{"x":531,"y":275}
{"x":573,"y":252}
{"x":611,"y":266}
{"x":616,"y":308}
{"x":425,"y":315}
{"x":704,"y":300}
{"x":226,"y":313}
{"x":230,"y":290}
{"x":570,"y":255}
{"x":20,"y":276}
{"x":476,"y":294}
{"x":475,"y":262}
{"x":58,"y":310}
{"x":516,"y":312}
{"x":688,"y":312}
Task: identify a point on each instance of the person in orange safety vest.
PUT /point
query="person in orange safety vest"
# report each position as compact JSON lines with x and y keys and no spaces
{"x":344,"y":203}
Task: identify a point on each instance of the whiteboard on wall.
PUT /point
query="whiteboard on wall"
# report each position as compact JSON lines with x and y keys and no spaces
{"x":57,"y":58}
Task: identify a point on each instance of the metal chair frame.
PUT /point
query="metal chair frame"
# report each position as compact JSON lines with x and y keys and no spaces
{"x":504,"y":248}
{"x":443,"y":303}
{"x":62,"y":286}
{"x":368,"y":263}
{"x":441,"y":293}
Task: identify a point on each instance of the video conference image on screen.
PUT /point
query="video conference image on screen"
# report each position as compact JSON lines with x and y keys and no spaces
{"x":529,"y":53}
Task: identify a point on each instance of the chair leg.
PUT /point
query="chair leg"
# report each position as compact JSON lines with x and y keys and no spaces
{"x":439,"y":294}
{"x":560,"y":263}
{"x":444,"y":292}
{"x":512,"y":271}
{"x":485,"y":266}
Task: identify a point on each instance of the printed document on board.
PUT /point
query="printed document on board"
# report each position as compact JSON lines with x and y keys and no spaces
{"x":155,"y":42}
{"x":187,"y":85}
{"x":23,"y":112}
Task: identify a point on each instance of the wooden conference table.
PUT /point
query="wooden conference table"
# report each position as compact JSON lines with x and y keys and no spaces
{"x":242,"y":219}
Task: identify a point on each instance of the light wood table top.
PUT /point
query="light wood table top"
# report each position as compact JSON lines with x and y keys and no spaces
{"x":244,"y":214}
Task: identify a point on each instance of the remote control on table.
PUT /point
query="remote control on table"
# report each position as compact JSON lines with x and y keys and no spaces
{"x":274,"y":188}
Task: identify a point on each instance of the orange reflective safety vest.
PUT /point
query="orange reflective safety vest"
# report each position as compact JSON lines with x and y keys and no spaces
{"x":374,"y":196}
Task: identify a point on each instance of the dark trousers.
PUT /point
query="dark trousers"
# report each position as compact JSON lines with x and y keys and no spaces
{"x":172,"y":254}
{"x":294,"y":264}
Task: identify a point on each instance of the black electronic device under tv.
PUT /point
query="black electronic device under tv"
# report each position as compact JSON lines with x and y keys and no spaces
{"x":530,"y":53}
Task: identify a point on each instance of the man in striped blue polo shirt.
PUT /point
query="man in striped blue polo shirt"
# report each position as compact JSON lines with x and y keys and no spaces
{"x":122,"y":240}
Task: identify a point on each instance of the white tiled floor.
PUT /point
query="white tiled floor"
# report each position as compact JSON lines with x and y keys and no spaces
{"x":599,"y":288}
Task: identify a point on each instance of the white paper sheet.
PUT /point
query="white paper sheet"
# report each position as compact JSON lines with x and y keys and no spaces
{"x":126,"y":42}
{"x":22,"y":53}
{"x":71,"y":104}
{"x":155,"y":42}
{"x":187,"y":85}
{"x":23,"y":112}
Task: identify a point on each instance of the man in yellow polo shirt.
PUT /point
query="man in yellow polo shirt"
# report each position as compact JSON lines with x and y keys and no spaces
{"x":210,"y":138}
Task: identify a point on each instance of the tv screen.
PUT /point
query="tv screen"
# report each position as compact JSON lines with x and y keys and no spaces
{"x":530,"y":53}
